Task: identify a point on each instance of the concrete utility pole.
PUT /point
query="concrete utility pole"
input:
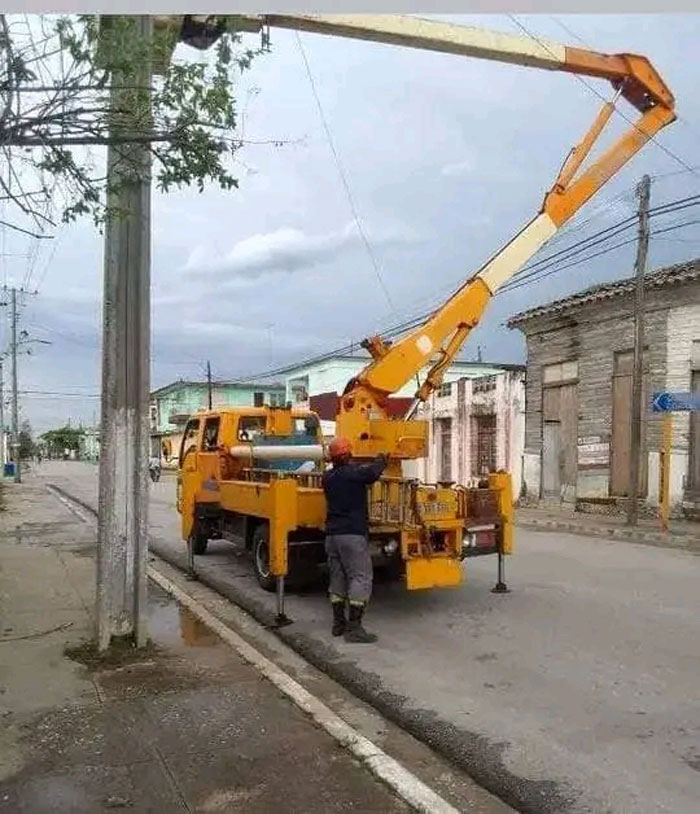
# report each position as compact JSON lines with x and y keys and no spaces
{"x":643,"y":191}
{"x":209,"y":382}
{"x":2,"y":414}
{"x":15,"y":406}
{"x":123,"y":481}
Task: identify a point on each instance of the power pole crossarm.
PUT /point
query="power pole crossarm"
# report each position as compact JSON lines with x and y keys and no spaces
{"x":636,"y":446}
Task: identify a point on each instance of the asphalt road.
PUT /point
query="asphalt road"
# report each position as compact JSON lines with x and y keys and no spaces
{"x":577,"y":691}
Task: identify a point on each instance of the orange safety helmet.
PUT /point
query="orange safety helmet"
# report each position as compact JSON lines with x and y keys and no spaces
{"x":339,"y":448}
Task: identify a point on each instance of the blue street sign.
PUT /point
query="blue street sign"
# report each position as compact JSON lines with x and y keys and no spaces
{"x":676,"y":402}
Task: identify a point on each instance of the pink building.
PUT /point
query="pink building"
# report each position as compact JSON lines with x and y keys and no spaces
{"x":477,"y":425}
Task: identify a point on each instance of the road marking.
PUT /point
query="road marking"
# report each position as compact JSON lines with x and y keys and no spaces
{"x":403,"y":782}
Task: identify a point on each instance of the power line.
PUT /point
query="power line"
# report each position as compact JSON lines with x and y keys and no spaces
{"x":342,"y":174}
{"x":521,"y":283}
{"x":59,"y":393}
{"x":537,"y":271}
{"x":600,"y":96}
{"x":533,"y":269}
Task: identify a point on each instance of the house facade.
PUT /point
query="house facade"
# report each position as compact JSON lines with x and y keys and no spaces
{"x":579,"y":391}
{"x":476,"y":426}
{"x":171,"y":405}
{"x":476,"y":418}
{"x":318,"y":385}
{"x":89,"y":444}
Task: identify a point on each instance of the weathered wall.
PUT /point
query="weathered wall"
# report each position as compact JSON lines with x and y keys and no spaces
{"x":593,"y":334}
{"x":506,"y":402}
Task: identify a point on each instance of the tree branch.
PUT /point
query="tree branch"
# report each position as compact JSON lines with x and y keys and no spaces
{"x":25,"y":231}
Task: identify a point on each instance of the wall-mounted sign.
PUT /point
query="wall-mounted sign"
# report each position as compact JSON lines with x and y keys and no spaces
{"x":597,"y":454}
{"x":676,"y":402}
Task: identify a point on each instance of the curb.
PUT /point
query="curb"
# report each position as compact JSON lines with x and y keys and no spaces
{"x":654,"y":538}
{"x":413,"y":791}
{"x":403,"y":782}
{"x":480,"y":758}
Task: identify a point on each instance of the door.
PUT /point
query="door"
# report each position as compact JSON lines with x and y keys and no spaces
{"x":622,"y":427}
{"x":568,"y":423}
{"x":188,"y":476}
{"x":209,"y":459}
{"x":485,"y":428}
{"x":445,"y":459}
{"x":560,"y":441}
{"x":551,"y":456}
{"x":694,"y":445}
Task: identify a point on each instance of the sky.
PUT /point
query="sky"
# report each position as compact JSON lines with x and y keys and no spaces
{"x":445,"y":158}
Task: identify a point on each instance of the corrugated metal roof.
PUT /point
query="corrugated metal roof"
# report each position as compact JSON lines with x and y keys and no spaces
{"x":672,"y":275}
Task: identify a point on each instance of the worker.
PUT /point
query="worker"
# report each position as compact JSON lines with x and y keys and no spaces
{"x":347,"y":543}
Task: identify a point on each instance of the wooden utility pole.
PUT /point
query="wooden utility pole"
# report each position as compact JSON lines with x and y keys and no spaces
{"x":209,"y":382}
{"x":14,"y":455}
{"x":123,"y":490}
{"x":643,"y":190}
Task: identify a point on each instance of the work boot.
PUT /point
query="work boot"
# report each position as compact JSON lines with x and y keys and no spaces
{"x":339,"y":620}
{"x":355,"y":632}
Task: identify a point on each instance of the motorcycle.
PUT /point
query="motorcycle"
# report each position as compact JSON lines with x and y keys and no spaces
{"x":154,"y":470}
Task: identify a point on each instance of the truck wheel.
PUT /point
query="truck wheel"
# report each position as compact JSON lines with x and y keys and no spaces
{"x":198,"y":539}
{"x":261,"y":558}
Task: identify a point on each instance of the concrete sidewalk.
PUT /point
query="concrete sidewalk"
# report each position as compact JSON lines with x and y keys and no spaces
{"x":681,"y":534}
{"x":184,"y":726}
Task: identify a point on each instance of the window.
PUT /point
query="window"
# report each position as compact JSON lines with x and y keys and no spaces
{"x":695,"y":355}
{"x":258,"y":399}
{"x":276,"y":399}
{"x":560,"y":372}
{"x":249,"y":427}
{"x":306,"y":426}
{"x":210,"y":436}
{"x":484,"y":384}
{"x":445,"y":390}
{"x":154,"y":416}
{"x":189,"y":438}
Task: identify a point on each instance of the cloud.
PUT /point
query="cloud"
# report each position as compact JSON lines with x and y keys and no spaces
{"x":287,"y":250}
{"x":458,"y":168}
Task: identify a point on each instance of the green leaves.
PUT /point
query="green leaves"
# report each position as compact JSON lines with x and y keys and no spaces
{"x":189,"y":121}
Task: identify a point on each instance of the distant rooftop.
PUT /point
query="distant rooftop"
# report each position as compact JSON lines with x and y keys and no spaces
{"x":671,"y":275}
{"x":217,"y":385}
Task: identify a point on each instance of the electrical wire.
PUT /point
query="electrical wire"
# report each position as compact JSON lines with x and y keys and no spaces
{"x":600,"y":96}
{"x":532,"y":270}
{"x":343,"y":176}
{"x":520,"y":283}
{"x":537,"y":272}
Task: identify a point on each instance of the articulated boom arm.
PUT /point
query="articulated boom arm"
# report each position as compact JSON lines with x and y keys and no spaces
{"x":440,"y":338}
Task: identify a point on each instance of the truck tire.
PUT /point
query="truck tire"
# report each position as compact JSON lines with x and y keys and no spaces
{"x":198,"y":539}
{"x":261,"y":558}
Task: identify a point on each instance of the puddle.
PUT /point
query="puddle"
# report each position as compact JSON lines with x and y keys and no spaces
{"x":172,"y":625}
